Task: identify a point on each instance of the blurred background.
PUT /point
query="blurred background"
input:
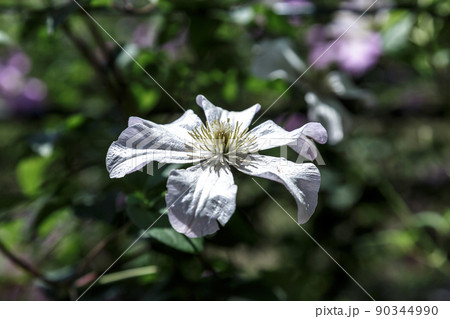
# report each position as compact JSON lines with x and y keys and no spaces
{"x":381,"y":90}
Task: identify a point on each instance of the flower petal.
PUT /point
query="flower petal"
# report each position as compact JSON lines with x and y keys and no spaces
{"x":270,"y":135}
{"x":180,"y":127}
{"x":213,"y":113}
{"x":301,"y":180}
{"x":144,"y":142}
{"x":199,"y":197}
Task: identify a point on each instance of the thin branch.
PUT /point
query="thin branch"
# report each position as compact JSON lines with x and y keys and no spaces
{"x":126,"y":95}
{"x":93,"y":61}
{"x":100,"y":246}
{"x":24,"y":265}
{"x":201,"y":258}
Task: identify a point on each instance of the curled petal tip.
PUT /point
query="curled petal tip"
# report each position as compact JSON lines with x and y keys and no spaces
{"x":316,"y":131}
{"x":133,"y":120}
{"x":324,"y":137}
{"x":199,"y":99}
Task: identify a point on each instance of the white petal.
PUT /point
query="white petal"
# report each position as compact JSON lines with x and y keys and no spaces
{"x":213,"y":113}
{"x":301,"y":180}
{"x":180,"y":127}
{"x":145,"y":141}
{"x":198,"y":198}
{"x":270,"y":135}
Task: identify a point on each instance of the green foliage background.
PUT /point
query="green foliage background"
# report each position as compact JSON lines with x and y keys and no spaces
{"x":383,"y":213}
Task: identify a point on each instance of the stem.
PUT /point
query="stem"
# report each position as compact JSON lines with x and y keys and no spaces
{"x":202,"y":259}
{"x":127,"y":97}
{"x":24,"y":265}
{"x":98,"y":67}
{"x":100,"y":246}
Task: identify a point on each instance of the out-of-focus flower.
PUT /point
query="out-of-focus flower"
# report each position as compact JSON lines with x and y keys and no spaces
{"x":294,"y":9}
{"x":294,"y":120}
{"x":356,"y":52}
{"x":331,"y":113}
{"x":204,"y":195}
{"x":21,"y":95}
{"x":21,"y":62}
{"x":276,"y":59}
{"x":291,"y":121}
{"x":362,"y":5}
{"x":144,"y":36}
{"x":342,"y":85}
{"x":291,"y":7}
{"x":242,"y":14}
{"x":176,"y":46}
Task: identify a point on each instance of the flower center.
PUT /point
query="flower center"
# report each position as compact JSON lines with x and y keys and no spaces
{"x":222,"y":142}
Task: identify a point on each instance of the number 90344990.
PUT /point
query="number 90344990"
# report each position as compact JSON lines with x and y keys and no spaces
{"x":412,"y":311}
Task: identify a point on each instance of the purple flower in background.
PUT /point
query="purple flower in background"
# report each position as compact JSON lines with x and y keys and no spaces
{"x":21,"y":95}
{"x":318,"y":41}
{"x":356,"y":52}
{"x":291,"y":121}
{"x":175,"y":46}
{"x":144,"y":36}
{"x":295,"y":120}
{"x":21,"y":62}
{"x":357,"y":55}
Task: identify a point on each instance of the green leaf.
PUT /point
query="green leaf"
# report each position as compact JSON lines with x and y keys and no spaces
{"x":129,"y":273}
{"x":396,"y":34}
{"x":30,"y":174}
{"x":433,"y":220}
{"x":171,"y":238}
{"x":147,"y":98}
{"x":230,"y":89}
{"x":11,"y":232}
{"x":140,"y":213}
{"x":99,"y":3}
{"x":75,"y":121}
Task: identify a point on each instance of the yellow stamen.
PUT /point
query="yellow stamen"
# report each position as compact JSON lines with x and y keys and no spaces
{"x":222,"y":142}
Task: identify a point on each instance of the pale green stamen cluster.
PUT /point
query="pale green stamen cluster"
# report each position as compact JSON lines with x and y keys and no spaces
{"x":222,"y":142}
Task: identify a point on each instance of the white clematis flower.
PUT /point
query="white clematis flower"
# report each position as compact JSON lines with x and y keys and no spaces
{"x":203,"y":196}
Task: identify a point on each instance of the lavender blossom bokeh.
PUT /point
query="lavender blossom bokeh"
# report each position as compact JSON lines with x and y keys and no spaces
{"x":20,"y":94}
{"x":356,"y":52}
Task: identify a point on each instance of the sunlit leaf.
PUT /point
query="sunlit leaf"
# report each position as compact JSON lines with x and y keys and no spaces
{"x":433,"y":220}
{"x":31,"y":174}
{"x":397,"y":31}
{"x":98,"y":3}
{"x":128,"y":273}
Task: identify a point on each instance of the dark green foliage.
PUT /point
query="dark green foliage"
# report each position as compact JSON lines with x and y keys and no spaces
{"x":383,"y":212}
